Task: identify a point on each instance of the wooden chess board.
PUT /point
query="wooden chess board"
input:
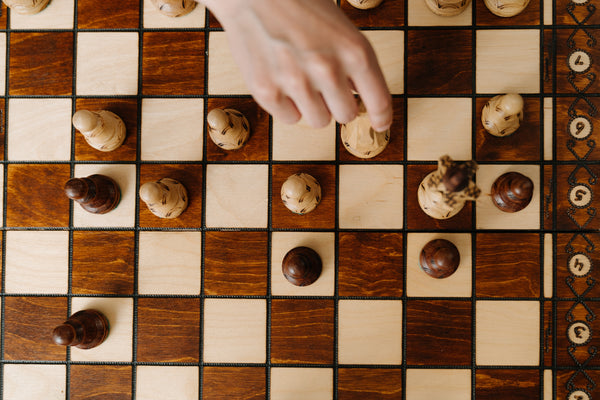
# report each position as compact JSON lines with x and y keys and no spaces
{"x":198,"y":306}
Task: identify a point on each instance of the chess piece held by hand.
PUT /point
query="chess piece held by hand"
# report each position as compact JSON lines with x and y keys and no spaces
{"x":301,"y":193}
{"x":512,"y":192}
{"x":447,"y":8}
{"x":506,"y":8}
{"x":97,"y":194}
{"x":85,"y":329}
{"x":229,"y":129}
{"x":174,"y":8}
{"x":103,"y":130}
{"x":26,"y":7}
{"x":443,"y":193}
{"x":165,"y":198}
{"x":359,"y":137}
{"x":439,"y":258}
{"x":364,"y":4}
{"x":302,"y":266}
{"x":502,"y":115}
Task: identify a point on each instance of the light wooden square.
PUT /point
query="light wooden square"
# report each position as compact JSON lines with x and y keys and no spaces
{"x":370,"y":332}
{"x":224,"y":76}
{"x":548,"y":266}
{"x":154,"y":19}
{"x":39,"y":129}
{"x":33,"y":381}
{"x":107,"y":63}
{"x":420,"y":15}
{"x":172,"y":129}
{"x":548,"y":128}
{"x":235,"y":330}
{"x":301,"y":383}
{"x":167,"y":382}
{"x":491,"y":217}
{"x":37,"y":262}
{"x":507,"y":333}
{"x":447,"y":384}
{"x":169,"y":263}
{"x":57,"y":15}
{"x":2,"y":63}
{"x":419,"y":284}
{"x":301,"y":142}
{"x":371,"y":196}
{"x":121,"y":216}
{"x":438,"y":126}
{"x":389,"y":49}
{"x":508,"y":61}
{"x":321,"y":242}
{"x":118,"y":344}
{"x":237,"y":196}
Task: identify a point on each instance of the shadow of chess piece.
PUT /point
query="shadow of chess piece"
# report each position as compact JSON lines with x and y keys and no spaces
{"x":103,"y":130}
{"x":165,"y":198}
{"x":229,"y":129}
{"x":97,"y":194}
{"x":84,"y":329}
{"x":512,"y":192}
{"x":302,"y":266}
{"x":26,"y":7}
{"x":301,"y":193}
{"x":364,"y":4}
{"x":439,"y":258}
{"x":174,"y":8}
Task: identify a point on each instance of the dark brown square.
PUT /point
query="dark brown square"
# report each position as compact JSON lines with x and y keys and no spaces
{"x":35,"y":195}
{"x":190,"y":176}
{"x":580,"y":82}
{"x":100,"y":268}
{"x":548,"y":338}
{"x":302,"y":331}
{"x":322,"y":217}
{"x":41,"y":63}
{"x":547,"y":200}
{"x":369,"y":383}
{"x":549,"y":67}
{"x":108,"y":14}
{"x":573,"y":249}
{"x":28,"y":325}
{"x":568,"y":148}
{"x":568,"y":216}
{"x":529,"y":16}
{"x":438,"y":332}
{"x":508,"y":264}
{"x":579,"y":13}
{"x":429,"y":70}
{"x":257,"y":147}
{"x":235,"y":263}
{"x":248,"y":383}
{"x":568,"y":312}
{"x":127,"y":110}
{"x":568,"y":380}
{"x":417,"y":219}
{"x":168,"y":330}
{"x":514,"y":384}
{"x":100,"y":382}
{"x":370,"y":264}
{"x":523,"y":144}
{"x":394,"y":151}
{"x":389,"y":14}
{"x":173,"y":63}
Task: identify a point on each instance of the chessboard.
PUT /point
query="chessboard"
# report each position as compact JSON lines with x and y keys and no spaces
{"x":198,"y":306}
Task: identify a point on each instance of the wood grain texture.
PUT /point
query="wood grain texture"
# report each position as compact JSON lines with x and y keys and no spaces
{"x":580,"y":215}
{"x":548,"y":197}
{"x":579,"y":313}
{"x":127,"y":110}
{"x":108,"y":14}
{"x":162,"y":51}
{"x":514,"y":384}
{"x":241,"y":383}
{"x":302,"y":331}
{"x":577,"y":380}
{"x":257,"y":147}
{"x":579,"y":244}
{"x":548,"y":335}
{"x":100,"y":382}
{"x":28,"y":325}
{"x":438,"y":332}
{"x":563,"y":18}
{"x":190,"y":176}
{"x":35,"y":195}
{"x":507,"y":264}
{"x":168,"y":330}
{"x":370,"y":264}
{"x":562,"y":136}
{"x":322,"y":217}
{"x":367,"y":383}
{"x":529,"y":16}
{"x":98,"y":270}
{"x":429,"y":70}
{"x":2,"y":125}
{"x":235,"y":263}
{"x":523,"y":144}
{"x":390,"y":13}
{"x":41,"y":63}
{"x":580,"y":38}
{"x":549,"y":62}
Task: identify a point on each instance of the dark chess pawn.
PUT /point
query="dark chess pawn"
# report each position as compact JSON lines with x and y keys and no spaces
{"x":26,"y":7}
{"x":97,"y":194}
{"x":512,"y":192}
{"x":439,"y":258}
{"x":302,"y":266}
{"x":174,"y":8}
{"x":84,"y":329}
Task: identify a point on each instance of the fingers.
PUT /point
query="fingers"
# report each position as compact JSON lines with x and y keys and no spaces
{"x":277,"y":104}
{"x":376,"y":97}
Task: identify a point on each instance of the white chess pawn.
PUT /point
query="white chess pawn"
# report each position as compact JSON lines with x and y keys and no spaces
{"x":229,"y":129}
{"x":506,"y":8}
{"x":103,"y":130}
{"x":26,"y":7}
{"x":359,"y":137}
{"x":174,"y":8}
{"x":364,"y":4}
{"x":502,"y":115}
{"x":301,"y":193}
{"x":447,"y":8}
{"x":165,"y":198}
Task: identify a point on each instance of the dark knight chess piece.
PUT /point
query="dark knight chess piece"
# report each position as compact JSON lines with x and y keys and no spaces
{"x":512,"y":192}
{"x":439,"y":258}
{"x":97,"y":194}
{"x":302,"y":266}
{"x":84,"y":329}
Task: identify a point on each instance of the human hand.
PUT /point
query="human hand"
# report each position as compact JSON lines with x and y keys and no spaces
{"x":304,"y":58}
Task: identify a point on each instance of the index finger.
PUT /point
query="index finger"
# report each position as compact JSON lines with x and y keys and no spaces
{"x":374,"y":92}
